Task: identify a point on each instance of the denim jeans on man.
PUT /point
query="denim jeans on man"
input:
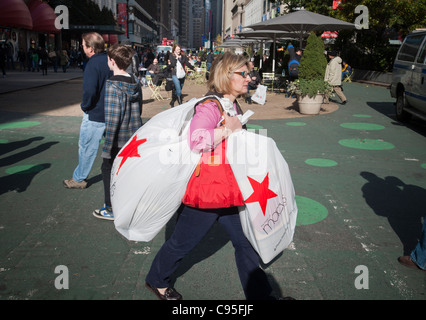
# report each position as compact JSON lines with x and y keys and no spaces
{"x":91,"y":133}
{"x":418,"y":255}
{"x":178,"y":84}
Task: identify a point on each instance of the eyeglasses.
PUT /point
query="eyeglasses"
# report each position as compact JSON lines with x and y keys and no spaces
{"x":244,"y":74}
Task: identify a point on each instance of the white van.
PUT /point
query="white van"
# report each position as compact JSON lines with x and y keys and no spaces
{"x":162,"y":48}
{"x":408,"y":78}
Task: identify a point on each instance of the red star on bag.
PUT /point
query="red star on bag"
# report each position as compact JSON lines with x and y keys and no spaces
{"x":130,"y":151}
{"x":261,"y":192}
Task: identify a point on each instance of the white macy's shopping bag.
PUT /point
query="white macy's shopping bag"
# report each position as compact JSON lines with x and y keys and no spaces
{"x":150,"y":174}
{"x":269,"y":215}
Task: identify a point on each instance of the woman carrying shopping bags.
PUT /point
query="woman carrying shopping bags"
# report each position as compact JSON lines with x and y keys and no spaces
{"x":212,"y":193}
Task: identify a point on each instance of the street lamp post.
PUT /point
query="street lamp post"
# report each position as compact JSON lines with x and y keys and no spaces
{"x":127,"y":18}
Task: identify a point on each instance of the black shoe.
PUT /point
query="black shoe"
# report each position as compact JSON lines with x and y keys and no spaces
{"x":172,"y":103}
{"x":344,"y":102}
{"x":179,"y":100}
{"x":169,"y":294}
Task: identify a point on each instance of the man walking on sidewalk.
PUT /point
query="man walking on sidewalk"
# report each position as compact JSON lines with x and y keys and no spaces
{"x":333,"y":75}
{"x":93,"y":124}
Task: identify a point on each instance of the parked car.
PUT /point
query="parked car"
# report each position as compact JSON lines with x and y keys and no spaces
{"x":408,"y":78}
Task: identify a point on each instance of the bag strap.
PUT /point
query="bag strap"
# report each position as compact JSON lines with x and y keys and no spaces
{"x":219,"y":105}
{"x":216,"y":101}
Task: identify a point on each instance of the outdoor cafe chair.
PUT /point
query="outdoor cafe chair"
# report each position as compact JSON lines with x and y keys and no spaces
{"x":155,"y":90}
{"x":348,"y":77}
{"x":269,"y":80}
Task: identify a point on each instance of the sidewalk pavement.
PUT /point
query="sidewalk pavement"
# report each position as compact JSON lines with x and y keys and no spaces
{"x":277,"y":105}
{"x":360,"y":181}
{"x":16,"y":80}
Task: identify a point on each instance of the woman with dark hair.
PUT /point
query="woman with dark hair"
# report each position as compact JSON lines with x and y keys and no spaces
{"x":177,"y":64}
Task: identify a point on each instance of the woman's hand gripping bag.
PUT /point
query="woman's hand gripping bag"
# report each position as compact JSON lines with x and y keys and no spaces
{"x":150,"y":174}
{"x":269,"y":215}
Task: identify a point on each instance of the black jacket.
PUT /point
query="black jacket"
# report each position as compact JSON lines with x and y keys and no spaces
{"x":183,"y":61}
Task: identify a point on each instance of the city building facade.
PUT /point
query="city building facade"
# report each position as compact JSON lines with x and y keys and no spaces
{"x":191,"y":23}
{"x":237,"y":14}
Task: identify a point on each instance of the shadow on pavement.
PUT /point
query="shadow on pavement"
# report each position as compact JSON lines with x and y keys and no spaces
{"x":402,"y":204}
{"x":12,"y":146}
{"x":388,"y":109}
{"x":15,"y":158}
{"x":20,"y":181}
{"x":19,"y":178}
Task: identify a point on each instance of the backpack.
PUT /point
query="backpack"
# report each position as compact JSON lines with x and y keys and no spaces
{"x":293,"y":68}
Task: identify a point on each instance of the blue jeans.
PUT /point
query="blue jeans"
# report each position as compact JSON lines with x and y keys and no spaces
{"x":178,"y":85}
{"x":91,"y":133}
{"x":192,"y":225}
{"x":418,"y":255}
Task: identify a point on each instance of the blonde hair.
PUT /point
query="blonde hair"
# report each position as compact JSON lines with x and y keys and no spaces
{"x":222,"y":70}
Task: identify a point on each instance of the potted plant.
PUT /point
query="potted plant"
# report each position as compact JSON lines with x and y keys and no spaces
{"x":310,"y":87}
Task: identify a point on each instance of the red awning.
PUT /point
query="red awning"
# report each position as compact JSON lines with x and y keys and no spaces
{"x":110,"y":38}
{"x":15,"y":13}
{"x":43,"y":17}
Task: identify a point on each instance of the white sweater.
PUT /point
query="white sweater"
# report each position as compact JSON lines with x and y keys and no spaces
{"x":333,"y":72}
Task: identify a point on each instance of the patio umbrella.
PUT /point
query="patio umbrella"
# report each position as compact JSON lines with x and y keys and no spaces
{"x":270,"y":35}
{"x":301,"y":22}
{"x":236,"y":43}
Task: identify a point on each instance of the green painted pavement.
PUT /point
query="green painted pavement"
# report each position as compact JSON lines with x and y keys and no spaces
{"x":20,"y":124}
{"x":366,"y":144}
{"x":319,"y":162}
{"x":366,"y":210}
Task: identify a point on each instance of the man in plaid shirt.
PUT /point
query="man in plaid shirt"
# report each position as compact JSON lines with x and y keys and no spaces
{"x":123,"y":108}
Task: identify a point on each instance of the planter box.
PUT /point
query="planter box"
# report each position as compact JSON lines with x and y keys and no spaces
{"x":309,"y":105}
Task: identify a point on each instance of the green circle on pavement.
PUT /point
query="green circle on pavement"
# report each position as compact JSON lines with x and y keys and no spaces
{"x":309,"y":211}
{"x":366,"y":144}
{"x":319,"y":162}
{"x":17,"y":125}
{"x":254,"y":126}
{"x":423,"y":165}
{"x":25,"y":169}
{"x":296,"y":124}
{"x":3,"y":141}
{"x":362,"y":126}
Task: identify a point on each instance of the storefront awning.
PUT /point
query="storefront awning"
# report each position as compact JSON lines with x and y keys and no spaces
{"x":15,"y":13}
{"x":43,"y":17}
{"x":102,"y":29}
{"x":110,"y":38}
